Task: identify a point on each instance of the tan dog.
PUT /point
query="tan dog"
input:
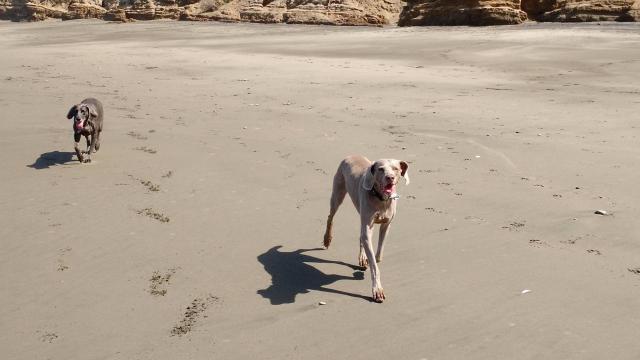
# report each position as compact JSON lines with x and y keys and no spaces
{"x":372,"y":188}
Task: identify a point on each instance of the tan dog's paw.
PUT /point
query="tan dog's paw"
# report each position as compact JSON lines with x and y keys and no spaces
{"x":378,"y":294}
{"x":327,"y":240}
{"x":86,"y":161}
{"x":363,"y":262}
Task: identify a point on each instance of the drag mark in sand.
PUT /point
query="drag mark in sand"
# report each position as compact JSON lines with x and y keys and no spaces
{"x":146,"y":149}
{"x":635,"y":271}
{"x":194,"y":312}
{"x":487,"y":149}
{"x":136,"y":135}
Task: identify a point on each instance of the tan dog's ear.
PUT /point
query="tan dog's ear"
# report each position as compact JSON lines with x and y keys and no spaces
{"x":367,"y":183}
{"x":405,"y":174}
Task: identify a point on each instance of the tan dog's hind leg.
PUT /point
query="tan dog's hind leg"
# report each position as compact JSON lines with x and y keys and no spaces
{"x":337,"y":196}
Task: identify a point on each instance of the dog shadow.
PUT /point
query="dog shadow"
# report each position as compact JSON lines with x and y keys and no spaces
{"x":52,"y":158}
{"x":292,"y":275}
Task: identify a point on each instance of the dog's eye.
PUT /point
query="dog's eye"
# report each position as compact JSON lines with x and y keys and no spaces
{"x":380,"y":169}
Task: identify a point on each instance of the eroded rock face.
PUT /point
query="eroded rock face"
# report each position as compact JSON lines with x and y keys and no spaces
{"x":330,"y":12}
{"x":461,"y":12}
{"x":582,"y":10}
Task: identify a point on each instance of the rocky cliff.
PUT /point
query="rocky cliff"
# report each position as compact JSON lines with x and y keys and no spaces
{"x":330,"y":12}
{"x":582,"y":10}
{"x":461,"y":12}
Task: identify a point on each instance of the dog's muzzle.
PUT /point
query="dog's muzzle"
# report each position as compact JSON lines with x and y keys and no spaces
{"x":78,"y":125}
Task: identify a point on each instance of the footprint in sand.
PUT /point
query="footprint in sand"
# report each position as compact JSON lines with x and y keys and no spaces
{"x":149,"y":212}
{"x":515,"y":226}
{"x":62,"y":266}
{"x":158,"y":282}
{"x":147,"y":183}
{"x":48,"y":337}
{"x":194,"y":312}
{"x":537,"y":243}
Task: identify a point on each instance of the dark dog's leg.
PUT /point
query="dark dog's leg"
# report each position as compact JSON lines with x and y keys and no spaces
{"x":89,"y":147}
{"x":97,"y":141}
{"x":337,"y":196}
{"x":76,"y":138}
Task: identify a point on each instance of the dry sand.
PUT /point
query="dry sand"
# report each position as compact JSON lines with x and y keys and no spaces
{"x":515,"y":136}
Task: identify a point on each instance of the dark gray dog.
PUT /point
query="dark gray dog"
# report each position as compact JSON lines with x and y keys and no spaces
{"x":87,"y":121}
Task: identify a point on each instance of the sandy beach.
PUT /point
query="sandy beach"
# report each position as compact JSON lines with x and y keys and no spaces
{"x":196,"y":231}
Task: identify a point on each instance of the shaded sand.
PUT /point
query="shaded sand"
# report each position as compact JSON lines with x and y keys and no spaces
{"x":205,"y":207}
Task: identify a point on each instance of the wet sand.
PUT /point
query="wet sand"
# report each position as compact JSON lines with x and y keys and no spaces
{"x":196,"y":230}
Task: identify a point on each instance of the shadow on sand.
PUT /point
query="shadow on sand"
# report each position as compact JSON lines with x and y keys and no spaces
{"x":52,"y":158}
{"x":291,"y":275}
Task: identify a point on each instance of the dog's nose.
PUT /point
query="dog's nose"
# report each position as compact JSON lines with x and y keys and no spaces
{"x":390,"y":178}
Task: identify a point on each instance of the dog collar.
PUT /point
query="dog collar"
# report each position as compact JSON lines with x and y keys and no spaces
{"x":375,"y":193}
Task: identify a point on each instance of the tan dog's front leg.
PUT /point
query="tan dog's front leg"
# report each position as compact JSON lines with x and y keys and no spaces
{"x":384,"y":230}
{"x":365,"y":240}
{"x":363,"y":262}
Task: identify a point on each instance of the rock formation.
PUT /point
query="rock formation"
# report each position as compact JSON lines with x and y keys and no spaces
{"x":461,"y":12}
{"x":582,"y":10}
{"x":330,"y":12}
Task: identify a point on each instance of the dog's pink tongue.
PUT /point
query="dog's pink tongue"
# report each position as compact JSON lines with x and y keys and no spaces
{"x":390,"y":189}
{"x":79,"y":125}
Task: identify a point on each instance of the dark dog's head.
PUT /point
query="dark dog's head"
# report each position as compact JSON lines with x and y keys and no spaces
{"x":80,"y":114}
{"x":384,"y":175}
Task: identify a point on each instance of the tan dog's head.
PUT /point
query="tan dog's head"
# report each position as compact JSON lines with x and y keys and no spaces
{"x":384,"y":175}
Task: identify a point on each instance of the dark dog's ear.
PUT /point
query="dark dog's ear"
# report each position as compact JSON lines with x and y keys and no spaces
{"x":367,"y":183}
{"x":72,"y":112}
{"x":92,"y":111}
{"x":405,"y":167}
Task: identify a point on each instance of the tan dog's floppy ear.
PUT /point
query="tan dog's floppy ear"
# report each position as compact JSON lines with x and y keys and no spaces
{"x":72,"y":112}
{"x":405,"y":174}
{"x":367,"y":183}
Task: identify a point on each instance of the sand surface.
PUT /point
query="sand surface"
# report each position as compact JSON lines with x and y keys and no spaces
{"x":196,"y":231}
